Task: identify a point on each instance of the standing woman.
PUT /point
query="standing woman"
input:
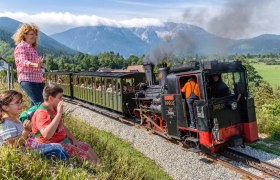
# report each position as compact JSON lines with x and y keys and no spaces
{"x":29,"y":63}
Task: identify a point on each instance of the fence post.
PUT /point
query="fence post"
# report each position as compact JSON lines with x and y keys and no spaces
{"x":8,"y":78}
{"x":12,"y":76}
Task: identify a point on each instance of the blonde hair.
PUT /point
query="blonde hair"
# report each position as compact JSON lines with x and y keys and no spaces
{"x":6,"y":98}
{"x":23,"y":30}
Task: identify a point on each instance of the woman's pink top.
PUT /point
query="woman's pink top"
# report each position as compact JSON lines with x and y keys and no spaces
{"x":24,"y":55}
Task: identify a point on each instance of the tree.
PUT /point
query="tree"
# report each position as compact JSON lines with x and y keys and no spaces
{"x":94,"y":63}
{"x":61,"y":66}
{"x":6,"y":50}
{"x":131,"y":60}
{"x":50,"y":64}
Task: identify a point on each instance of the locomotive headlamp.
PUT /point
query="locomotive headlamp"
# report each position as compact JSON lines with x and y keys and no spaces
{"x":234,"y":105}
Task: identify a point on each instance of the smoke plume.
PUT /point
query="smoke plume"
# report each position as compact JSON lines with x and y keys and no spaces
{"x":171,"y":47}
{"x":232,"y":20}
{"x":236,"y":17}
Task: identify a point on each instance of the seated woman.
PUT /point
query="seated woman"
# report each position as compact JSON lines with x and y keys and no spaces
{"x":109,"y":89}
{"x":14,"y":133}
{"x":99,"y":87}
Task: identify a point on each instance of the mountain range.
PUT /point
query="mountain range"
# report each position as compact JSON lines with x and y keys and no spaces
{"x":181,"y":39}
{"x":46,"y":44}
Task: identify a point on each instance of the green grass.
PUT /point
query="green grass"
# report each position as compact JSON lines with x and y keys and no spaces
{"x":121,"y":160}
{"x":268,"y":145}
{"x":17,"y":164}
{"x":270,"y":73}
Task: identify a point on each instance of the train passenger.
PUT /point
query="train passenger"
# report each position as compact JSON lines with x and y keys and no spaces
{"x":93,"y":86}
{"x":15,"y":133}
{"x":60,"y":80}
{"x":218,"y":88}
{"x":100,"y":87}
{"x":29,"y":64}
{"x":191,"y":91}
{"x":131,"y":89}
{"x":53,"y":130}
{"x":109,"y":89}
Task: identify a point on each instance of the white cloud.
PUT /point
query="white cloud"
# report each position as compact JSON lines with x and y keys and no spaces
{"x":65,"y":20}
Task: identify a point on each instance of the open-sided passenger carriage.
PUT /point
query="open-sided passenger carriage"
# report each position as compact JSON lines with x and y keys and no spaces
{"x":110,"y":90}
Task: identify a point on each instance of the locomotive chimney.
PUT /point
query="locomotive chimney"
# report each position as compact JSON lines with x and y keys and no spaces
{"x":162,"y":73}
{"x":149,"y":67}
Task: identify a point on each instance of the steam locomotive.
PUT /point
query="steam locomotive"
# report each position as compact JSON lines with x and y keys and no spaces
{"x":228,"y":120}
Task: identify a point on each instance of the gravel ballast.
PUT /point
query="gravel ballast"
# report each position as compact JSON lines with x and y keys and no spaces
{"x":174,"y":160}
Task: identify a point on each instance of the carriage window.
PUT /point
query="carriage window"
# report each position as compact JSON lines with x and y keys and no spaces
{"x":76,"y":81}
{"x":118,"y":87}
{"x":89,"y":84}
{"x":61,"y":79}
{"x":93,"y":83}
{"x":114,"y":85}
{"x":101,"y":84}
{"x":53,"y":79}
{"x":128,"y":85}
{"x":81,"y":82}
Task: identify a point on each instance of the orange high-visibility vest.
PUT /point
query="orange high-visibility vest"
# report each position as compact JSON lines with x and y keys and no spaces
{"x":190,"y":87}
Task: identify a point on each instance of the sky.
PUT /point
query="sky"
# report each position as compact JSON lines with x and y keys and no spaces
{"x":234,"y":19}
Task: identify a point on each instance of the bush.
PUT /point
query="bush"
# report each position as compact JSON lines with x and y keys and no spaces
{"x":268,"y":117}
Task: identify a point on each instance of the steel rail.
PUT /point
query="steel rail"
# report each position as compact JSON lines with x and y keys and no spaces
{"x":266,"y":167}
{"x":244,"y":173}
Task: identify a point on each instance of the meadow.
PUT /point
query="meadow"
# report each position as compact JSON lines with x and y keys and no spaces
{"x":270,"y":73}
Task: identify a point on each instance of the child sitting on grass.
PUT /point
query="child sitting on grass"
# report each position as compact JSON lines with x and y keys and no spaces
{"x":49,"y":124}
{"x":15,"y":133}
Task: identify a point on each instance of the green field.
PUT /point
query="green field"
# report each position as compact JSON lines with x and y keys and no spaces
{"x":270,"y":73}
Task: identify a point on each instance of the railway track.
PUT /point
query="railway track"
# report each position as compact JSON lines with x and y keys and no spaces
{"x":256,"y":163}
{"x":268,"y":169}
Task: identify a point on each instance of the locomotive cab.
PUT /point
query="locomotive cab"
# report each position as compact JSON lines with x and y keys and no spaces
{"x":224,"y":112}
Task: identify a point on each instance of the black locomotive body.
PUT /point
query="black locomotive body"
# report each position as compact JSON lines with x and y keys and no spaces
{"x":221,"y":121}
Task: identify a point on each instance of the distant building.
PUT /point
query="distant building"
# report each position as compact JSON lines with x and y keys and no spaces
{"x":136,"y":68}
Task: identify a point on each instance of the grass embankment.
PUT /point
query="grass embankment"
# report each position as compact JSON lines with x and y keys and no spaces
{"x":268,"y":145}
{"x":120,"y":160}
